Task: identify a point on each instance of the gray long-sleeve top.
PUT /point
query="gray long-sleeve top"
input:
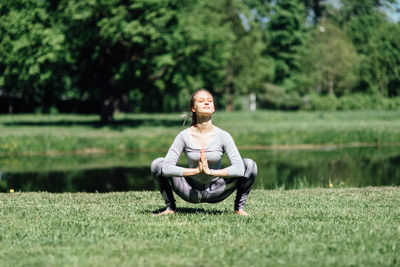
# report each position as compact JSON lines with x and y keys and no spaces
{"x":222,"y":142}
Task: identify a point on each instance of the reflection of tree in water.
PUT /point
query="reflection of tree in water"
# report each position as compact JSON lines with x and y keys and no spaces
{"x":307,"y":169}
{"x":98,"y":180}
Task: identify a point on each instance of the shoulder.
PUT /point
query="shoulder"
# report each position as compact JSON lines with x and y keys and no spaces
{"x":220,"y":131}
{"x":222,"y":134}
{"x":184,"y":131}
{"x":183,"y":134}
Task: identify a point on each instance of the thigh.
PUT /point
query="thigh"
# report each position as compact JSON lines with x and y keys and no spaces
{"x":219,"y":190}
{"x":185,"y":190}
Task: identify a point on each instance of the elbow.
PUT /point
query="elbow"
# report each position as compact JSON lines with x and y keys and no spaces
{"x":241,"y":172}
{"x":166,"y":170}
{"x":237,"y":172}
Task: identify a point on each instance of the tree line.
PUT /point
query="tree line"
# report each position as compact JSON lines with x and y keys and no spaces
{"x":149,"y":55}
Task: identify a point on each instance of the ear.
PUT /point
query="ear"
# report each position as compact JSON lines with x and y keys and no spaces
{"x":193,"y":110}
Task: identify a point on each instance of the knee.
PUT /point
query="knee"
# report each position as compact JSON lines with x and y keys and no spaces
{"x":250,"y":168}
{"x":156,"y":165}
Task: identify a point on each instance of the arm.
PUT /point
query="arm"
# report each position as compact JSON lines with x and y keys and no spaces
{"x":169,"y":168}
{"x":237,"y":167}
{"x":191,"y":171}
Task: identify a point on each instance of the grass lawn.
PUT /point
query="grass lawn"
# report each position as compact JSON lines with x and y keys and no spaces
{"x":60,"y":134}
{"x":339,"y":227}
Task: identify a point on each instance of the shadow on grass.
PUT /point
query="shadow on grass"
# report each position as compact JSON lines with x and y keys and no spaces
{"x":189,"y":211}
{"x":98,"y":124}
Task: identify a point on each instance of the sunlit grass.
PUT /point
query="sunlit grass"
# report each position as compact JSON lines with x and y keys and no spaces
{"x":340,"y":227}
{"x":30,"y":134}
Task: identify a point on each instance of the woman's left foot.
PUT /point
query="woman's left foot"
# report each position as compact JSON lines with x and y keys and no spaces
{"x":165,"y":212}
{"x":242,"y":213}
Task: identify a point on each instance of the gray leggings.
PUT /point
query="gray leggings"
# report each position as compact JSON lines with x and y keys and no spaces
{"x":216,"y":192}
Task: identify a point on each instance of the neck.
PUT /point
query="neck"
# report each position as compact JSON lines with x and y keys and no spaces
{"x":204,"y":124}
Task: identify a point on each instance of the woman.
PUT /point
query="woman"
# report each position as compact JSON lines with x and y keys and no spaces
{"x":204,"y":180}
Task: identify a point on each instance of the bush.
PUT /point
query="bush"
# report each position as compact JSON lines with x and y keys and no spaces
{"x":275,"y":97}
{"x":316,"y":102}
{"x":357,"y":101}
{"x":349,"y":102}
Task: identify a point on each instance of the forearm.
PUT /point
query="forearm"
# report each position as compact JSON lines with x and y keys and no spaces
{"x":191,"y":171}
{"x":219,"y":173}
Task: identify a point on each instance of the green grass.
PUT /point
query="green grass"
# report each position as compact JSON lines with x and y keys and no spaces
{"x":58,"y":134}
{"x":315,"y":227}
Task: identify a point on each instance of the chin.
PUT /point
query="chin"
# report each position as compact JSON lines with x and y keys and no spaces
{"x":205,"y":113}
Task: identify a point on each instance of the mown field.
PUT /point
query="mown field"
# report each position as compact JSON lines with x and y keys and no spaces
{"x":60,"y":134}
{"x":313,"y":227}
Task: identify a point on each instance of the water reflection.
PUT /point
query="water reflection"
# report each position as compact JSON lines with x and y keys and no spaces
{"x":278,"y":169}
{"x":97,"y":180}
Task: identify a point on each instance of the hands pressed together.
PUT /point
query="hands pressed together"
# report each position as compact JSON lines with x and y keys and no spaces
{"x":203,"y":164}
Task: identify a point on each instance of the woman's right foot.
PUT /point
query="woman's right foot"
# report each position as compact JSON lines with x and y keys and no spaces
{"x":241,"y":213}
{"x":165,"y":212}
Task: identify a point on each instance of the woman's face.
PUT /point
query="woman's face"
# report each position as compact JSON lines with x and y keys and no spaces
{"x":203,"y":104}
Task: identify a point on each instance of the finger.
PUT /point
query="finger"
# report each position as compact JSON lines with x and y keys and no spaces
{"x":205,"y":165}
{"x":203,"y":154}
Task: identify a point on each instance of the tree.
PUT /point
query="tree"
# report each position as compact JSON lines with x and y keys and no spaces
{"x":380,"y":69}
{"x":286,"y":37}
{"x":119,"y":47}
{"x":316,"y":9}
{"x":246,"y":68}
{"x":203,"y":42}
{"x":33,"y":53}
{"x":351,"y":8}
{"x":120,"y":53}
{"x":377,"y":41}
{"x":329,"y":61}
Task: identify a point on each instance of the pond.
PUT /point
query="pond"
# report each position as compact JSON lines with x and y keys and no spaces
{"x":277,"y":169}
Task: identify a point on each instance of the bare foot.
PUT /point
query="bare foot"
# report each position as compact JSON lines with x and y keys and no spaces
{"x":241,"y":213}
{"x":165,"y":212}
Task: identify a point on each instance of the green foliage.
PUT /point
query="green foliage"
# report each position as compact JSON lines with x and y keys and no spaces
{"x":350,"y":102}
{"x":359,"y":8}
{"x":245,"y":69}
{"x":32,"y":51}
{"x":381,"y":68}
{"x":329,"y":61}
{"x":286,"y":37}
{"x":377,"y":40}
{"x":316,"y":102}
{"x":275,"y":97}
{"x":136,"y":56}
{"x":317,"y":8}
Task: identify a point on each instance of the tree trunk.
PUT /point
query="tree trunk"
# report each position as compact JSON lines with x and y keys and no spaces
{"x":330,"y":84}
{"x":107,"y":110}
{"x":10,"y":104}
{"x":110,"y":102}
{"x":229,"y":90}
